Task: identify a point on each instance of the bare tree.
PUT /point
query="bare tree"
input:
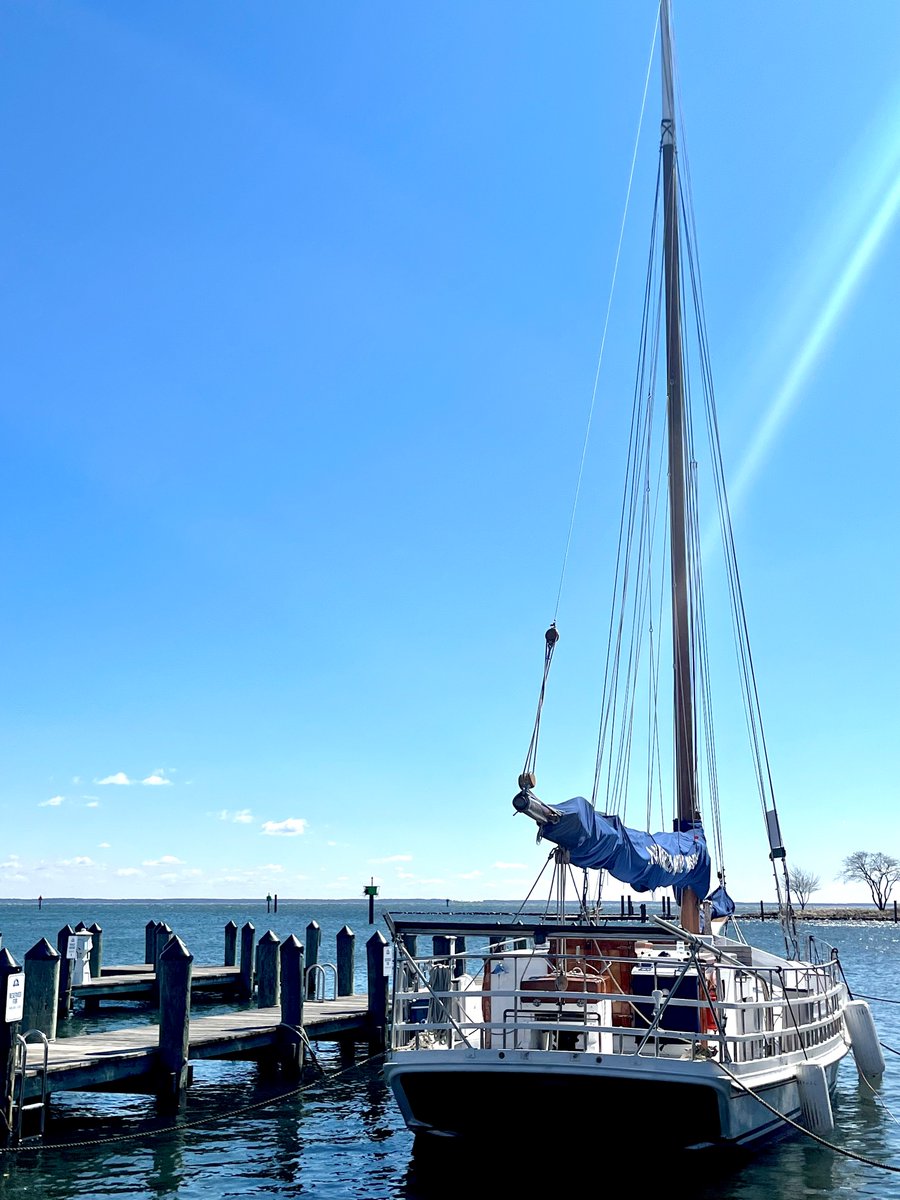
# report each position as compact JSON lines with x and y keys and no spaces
{"x":803,"y":883}
{"x":878,"y":871}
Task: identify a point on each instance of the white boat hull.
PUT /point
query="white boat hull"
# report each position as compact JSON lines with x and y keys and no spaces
{"x":470,"y":1093}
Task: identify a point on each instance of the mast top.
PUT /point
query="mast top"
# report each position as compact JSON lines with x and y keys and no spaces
{"x":668,"y":84}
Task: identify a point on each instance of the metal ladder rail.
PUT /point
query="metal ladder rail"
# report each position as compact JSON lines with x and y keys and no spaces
{"x":22,"y":1070}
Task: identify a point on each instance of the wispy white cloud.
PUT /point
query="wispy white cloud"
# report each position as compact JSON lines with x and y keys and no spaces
{"x":469,"y":875}
{"x":157,"y":779}
{"x":243,"y":816}
{"x":80,"y":860}
{"x":272,"y":867}
{"x":391,"y":858}
{"x":126,"y":871}
{"x":165,"y":860}
{"x":92,"y":804}
{"x":120,"y":779}
{"x":103,"y":845}
{"x":290,"y":827}
{"x":53,"y":802}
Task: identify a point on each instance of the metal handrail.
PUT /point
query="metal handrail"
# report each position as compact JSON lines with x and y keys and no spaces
{"x":20,"y":1075}
{"x":317,"y":972}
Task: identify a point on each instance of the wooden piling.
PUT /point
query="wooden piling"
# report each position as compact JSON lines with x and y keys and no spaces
{"x":8,"y":1033}
{"x":96,"y":933}
{"x":150,"y":942}
{"x":313,"y":942}
{"x":442,"y":946}
{"x":411,"y":942}
{"x":762,"y":911}
{"x":162,"y":935}
{"x":175,"y":970}
{"x":42,"y":964}
{"x":248,"y":936}
{"x":290,"y":1039}
{"x":895,"y":912}
{"x":291,"y":954}
{"x":346,"y":961}
{"x":231,"y":932}
{"x":65,"y":971}
{"x":268,"y":978}
{"x":459,"y":962}
{"x":377,"y":980}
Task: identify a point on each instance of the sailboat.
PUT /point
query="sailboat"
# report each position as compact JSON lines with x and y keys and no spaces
{"x":583,"y":1010}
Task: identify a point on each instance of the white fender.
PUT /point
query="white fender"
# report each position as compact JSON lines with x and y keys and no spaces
{"x":864,"y":1039}
{"x":815,"y":1102}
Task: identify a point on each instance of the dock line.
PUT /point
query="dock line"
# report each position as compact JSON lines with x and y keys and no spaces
{"x":179,"y":1126}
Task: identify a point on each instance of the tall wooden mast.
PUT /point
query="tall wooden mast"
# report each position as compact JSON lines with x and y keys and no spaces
{"x":685,"y":747}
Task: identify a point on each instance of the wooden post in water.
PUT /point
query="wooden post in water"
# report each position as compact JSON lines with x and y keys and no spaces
{"x":150,"y":943}
{"x":96,"y":933}
{"x":643,"y":913}
{"x":378,"y":991}
{"x":313,"y":942}
{"x":291,"y":953}
{"x":459,"y":963}
{"x":65,"y":971}
{"x":346,"y":961}
{"x":895,"y":912}
{"x":42,"y":988}
{"x":442,"y":947}
{"x":8,"y":1033}
{"x":268,"y":962}
{"x":762,"y":911}
{"x":175,"y":970}
{"x":411,"y":942}
{"x":231,"y":944}
{"x":248,"y":936}
{"x":621,"y":906}
{"x":162,"y":935}
{"x":289,"y":1036}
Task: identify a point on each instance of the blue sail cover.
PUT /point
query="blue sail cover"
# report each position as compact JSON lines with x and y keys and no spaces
{"x":645,"y":861}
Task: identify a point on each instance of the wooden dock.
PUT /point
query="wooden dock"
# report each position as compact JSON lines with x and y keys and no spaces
{"x":284,"y":1006}
{"x":127,"y":1059}
{"x":138,"y":982}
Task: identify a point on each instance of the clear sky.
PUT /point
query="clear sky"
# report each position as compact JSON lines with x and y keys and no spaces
{"x":301,"y":308}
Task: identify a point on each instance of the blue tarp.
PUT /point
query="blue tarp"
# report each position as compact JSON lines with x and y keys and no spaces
{"x":645,"y":861}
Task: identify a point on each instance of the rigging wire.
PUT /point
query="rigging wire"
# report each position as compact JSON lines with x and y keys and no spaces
{"x":587,"y":432}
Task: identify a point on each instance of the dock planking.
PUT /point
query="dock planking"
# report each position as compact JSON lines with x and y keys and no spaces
{"x":133,"y":983}
{"x":127,"y":1059}
{"x":291,"y":1010}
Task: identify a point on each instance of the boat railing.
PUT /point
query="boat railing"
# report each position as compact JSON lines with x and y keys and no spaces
{"x":660,"y":1005}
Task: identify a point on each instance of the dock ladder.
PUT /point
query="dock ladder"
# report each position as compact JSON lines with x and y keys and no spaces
{"x":23,"y":1071}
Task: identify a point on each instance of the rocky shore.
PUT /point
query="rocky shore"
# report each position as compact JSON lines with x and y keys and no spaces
{"x":821,"y":912}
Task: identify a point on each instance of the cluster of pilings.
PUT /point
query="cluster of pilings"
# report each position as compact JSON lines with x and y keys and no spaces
{"x":279,"y":973}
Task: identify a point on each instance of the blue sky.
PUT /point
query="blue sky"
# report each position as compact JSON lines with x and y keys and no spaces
{"x":301,"y":312}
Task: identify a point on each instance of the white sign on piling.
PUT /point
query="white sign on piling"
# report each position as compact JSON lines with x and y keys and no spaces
{"x":15,"y":997}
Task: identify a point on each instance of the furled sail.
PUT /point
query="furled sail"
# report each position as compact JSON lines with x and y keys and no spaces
{"x":644,"y":861}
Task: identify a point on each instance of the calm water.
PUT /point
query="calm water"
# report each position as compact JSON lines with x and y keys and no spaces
{"x":344,"y":1137}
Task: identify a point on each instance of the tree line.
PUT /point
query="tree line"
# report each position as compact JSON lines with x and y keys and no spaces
{"x":877,"y":870}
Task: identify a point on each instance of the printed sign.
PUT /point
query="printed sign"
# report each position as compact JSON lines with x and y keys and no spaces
{"x":15,"y":996}
{"x":388,"y":958}
{"x":72,"y":947}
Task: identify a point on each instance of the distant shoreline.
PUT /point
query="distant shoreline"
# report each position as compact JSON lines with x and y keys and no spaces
{"x":822,"y":913}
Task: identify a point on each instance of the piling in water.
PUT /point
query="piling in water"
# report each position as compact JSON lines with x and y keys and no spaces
{"x":42,"y":965}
